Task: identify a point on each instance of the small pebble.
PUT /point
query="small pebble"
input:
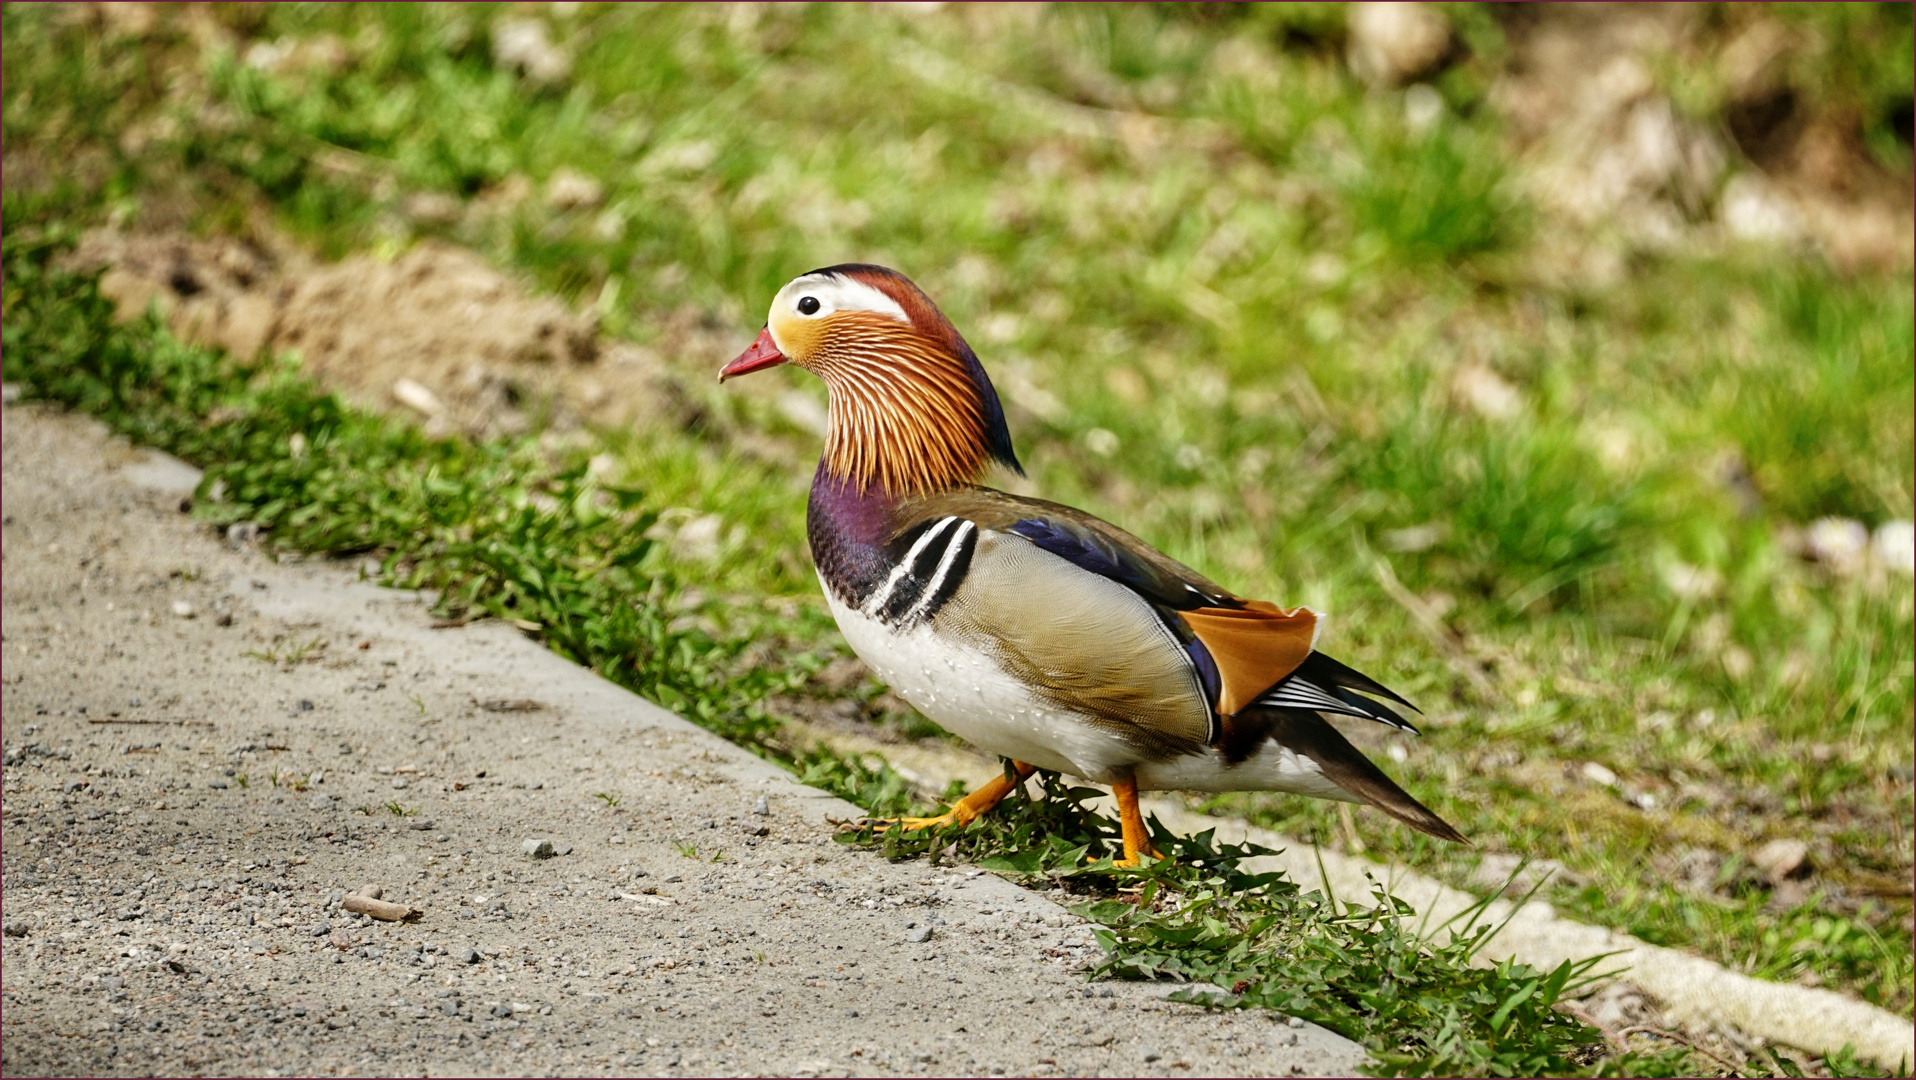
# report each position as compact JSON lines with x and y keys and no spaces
{"x":761,"y":806}
{"x":1839,"y":542}
{"x":919,"y":936}
{"x":183,"y":609}
{"x":216,"y":784}
{"x":320,"y":802}
{"x":1895,"y":545}
{"x":502,"y":1010}
{"x":1782,"y":860}
{"x":400,"y":783}
{"x":1151,"y":1053}
{"x":469,"y":956}
{"x":538,"y":849}
{"x":16,"y":929}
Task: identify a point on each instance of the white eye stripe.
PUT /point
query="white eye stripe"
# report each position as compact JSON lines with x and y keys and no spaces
{"x":835,"y":293}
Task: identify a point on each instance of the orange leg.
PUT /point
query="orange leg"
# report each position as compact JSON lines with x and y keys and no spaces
{"x":968,"y":809}
{"x":1136,"y":839}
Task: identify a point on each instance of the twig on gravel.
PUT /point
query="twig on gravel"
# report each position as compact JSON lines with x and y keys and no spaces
{"x":378,"y":909}
{"x":1573,"y":1009}
{"x":512,"y":705}
{"x":1664,"y":1033}
{"x":155,"y":723}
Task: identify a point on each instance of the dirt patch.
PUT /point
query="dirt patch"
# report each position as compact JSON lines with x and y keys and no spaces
{"x":436,"y":330}
{"x":1603,"y":141}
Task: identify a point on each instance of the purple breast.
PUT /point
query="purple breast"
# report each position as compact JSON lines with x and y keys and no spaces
{"x":848,"y":527}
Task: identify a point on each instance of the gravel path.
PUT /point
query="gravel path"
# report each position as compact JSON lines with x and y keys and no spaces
{"x":206,"y":751}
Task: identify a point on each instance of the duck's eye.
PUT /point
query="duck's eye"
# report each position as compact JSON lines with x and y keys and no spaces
{"x":808,"y":305}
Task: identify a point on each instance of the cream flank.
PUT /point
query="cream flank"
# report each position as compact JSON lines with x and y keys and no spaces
{"x":968,"y":693}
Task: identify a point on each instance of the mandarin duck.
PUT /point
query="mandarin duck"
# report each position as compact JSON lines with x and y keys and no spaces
{"x":1031,"y":630}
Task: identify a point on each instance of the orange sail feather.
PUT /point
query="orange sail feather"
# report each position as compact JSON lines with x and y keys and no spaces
{"x":1254,"y":646}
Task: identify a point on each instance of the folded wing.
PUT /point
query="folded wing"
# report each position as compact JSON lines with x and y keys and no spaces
{"x":1245,"y":652}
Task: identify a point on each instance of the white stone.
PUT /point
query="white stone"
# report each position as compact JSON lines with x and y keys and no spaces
{"x":1895,"y":546}
{"x":1392,"y":42}
{"x":417,"y":397}
{"x":1842,"y":543}
{"x":1753,"y":210}
{"x":1598,"y":774}
{"x":570,"y":189}
{"x":523,"y":44}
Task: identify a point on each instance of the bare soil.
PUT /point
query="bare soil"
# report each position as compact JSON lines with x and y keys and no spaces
{"x":491,"y":357}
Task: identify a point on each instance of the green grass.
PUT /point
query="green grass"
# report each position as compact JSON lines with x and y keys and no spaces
{"x":1229,"y":296}
{"x":1410,"y":993}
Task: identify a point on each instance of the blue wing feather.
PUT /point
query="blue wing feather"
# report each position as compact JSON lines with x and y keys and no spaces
{"x":1091,"y":550}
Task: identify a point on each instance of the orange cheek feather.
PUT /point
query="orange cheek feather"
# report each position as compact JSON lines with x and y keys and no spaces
{"x":797,"y":338}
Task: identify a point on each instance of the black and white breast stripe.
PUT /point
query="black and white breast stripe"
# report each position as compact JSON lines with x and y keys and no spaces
{"x":1297,"y":693}
{"x":930,"y":571}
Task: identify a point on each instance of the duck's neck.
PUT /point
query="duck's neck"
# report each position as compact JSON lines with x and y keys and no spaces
{"x":901,"y":436}
{"x":908,"y":414}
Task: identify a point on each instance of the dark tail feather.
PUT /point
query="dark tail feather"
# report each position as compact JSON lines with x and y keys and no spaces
{"x":1377,"y":710}
{"x":1325,"y":671}
{"x":1322,"y":683}
{"x":1312,"y":736}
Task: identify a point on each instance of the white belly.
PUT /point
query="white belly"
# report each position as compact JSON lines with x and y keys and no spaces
{"x":965,"y":691}
{"x":1272,"y":768}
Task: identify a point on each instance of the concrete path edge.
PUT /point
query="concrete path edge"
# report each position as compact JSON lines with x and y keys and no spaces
{"x":1692,"y":988}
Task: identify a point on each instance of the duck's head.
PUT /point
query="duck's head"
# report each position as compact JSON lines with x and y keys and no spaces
{"x":911,"y":409}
